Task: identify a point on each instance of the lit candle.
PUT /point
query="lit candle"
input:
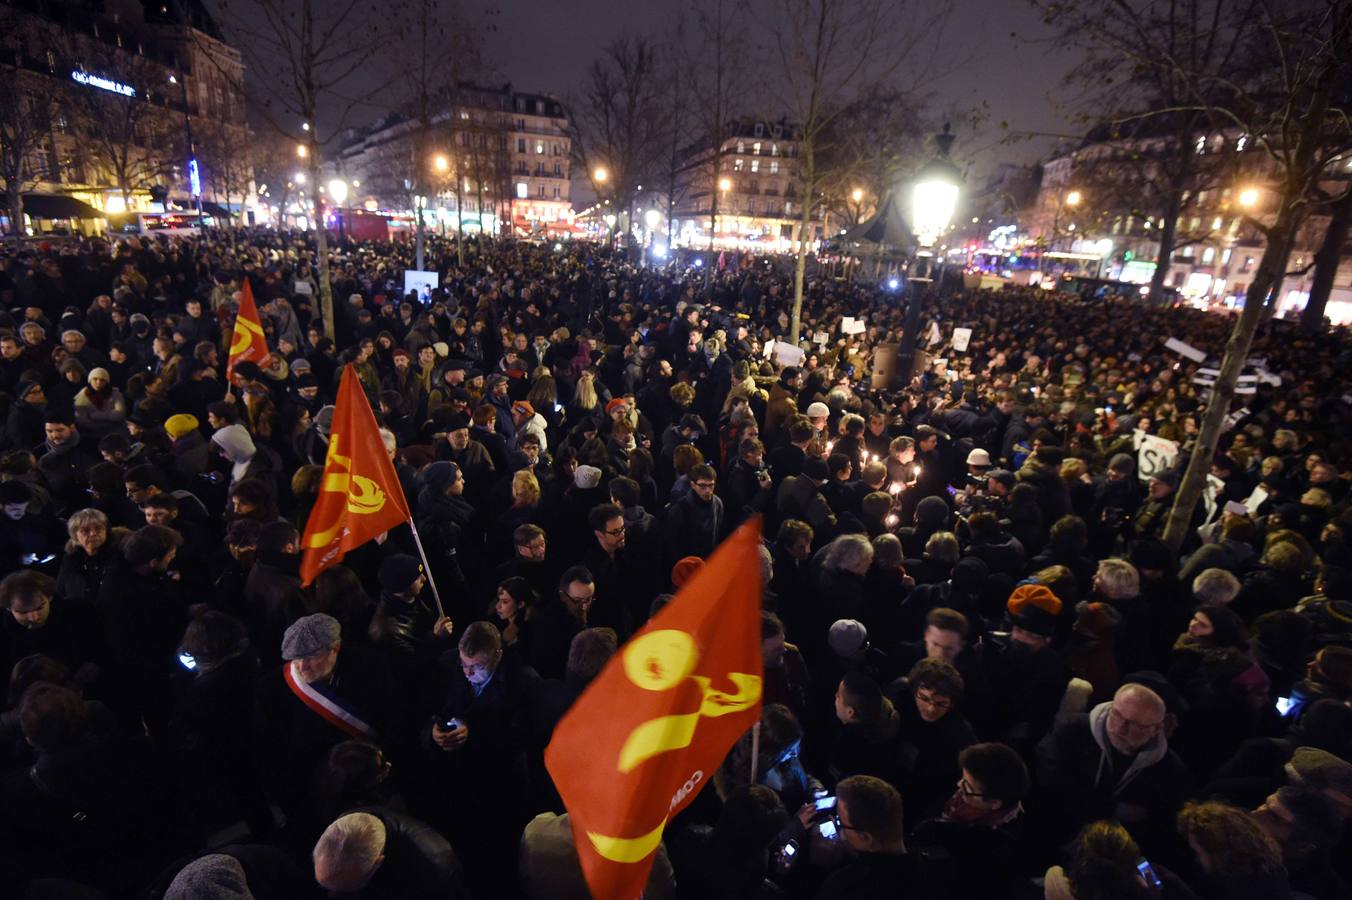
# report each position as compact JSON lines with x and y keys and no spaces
{"x":915,"y":473}
{"x":891,"y":520}
{"x":895,"y":488}
{"x":830,"y":445}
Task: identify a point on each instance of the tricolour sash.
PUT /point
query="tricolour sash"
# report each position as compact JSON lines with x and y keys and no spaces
{"x":327,"y":707}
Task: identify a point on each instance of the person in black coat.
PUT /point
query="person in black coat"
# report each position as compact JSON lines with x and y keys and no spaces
{"x":291,"y":736}
{"x":405,"y":629}
{"x":375,"y":853}
{"x":933,"y":733}
{"x":33,"y":620}
{"x":561,"y":616}
{"x":747,"y":484}
{"x":869,"y":813}
{"x":1115,"y":763}
{"x":971,"y":846}
{"x":477,"y":739}
{"x":697,"y":522}
{"x":273,"y":598}
{"x":452,"y":534}
{"x":244,"y":870}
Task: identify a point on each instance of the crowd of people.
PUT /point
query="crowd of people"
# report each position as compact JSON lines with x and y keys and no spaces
{"x":986,"y":673}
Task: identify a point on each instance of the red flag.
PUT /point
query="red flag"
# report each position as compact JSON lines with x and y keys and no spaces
{"x":247,"y":343}
{"x":359,"y":495}
{"x":655,"y":725}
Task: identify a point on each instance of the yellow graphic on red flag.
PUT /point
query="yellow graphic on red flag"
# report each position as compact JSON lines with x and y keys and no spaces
{"x":247,"y":342}
{"x":653,"y":728}
{"x":359,"y":495}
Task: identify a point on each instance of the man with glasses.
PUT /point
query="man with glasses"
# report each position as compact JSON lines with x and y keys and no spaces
{"x":530,"y":549}
{"x":621,"y":596}
{"x":561,"y":618}
{"x":973,"y":841}
{"x":1115,"y":763}
{"x":695,"y":523}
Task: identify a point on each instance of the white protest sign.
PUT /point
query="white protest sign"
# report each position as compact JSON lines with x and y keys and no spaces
{"x":961,"y":338}
{"x":1213,"y":489}
{"x":303,"y":287}
{"x":935,"y":335}
{"x":821,"y":337}
{"x":1185,"y":349}
{"x":852,"y":326}
{"x":788,"y":355}
{"x":1255,"y":500}
{"x":1155,"y":456}
{"x":422,"y":282}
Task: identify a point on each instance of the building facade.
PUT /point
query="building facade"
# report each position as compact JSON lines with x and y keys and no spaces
{"x":755,"y":174}
{"x":497,"y":161}
{"x":112,"y":100}
{"x":1098,"y":207}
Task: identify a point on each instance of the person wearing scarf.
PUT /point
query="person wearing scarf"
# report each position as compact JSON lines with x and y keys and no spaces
{"x":974,"y":837}
{"x":100,"y":408}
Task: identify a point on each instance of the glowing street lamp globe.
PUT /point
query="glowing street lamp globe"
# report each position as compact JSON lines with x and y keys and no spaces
{"x":338,"y":190}
{"x":934,"y":195}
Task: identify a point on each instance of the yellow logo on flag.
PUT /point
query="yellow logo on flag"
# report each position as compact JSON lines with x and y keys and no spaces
{"x":364,"y":496}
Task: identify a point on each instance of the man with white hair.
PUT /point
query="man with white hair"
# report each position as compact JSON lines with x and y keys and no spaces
{"x":377,"y":853}
{"x":1118,"y":584}
{"x":1115,"y":763}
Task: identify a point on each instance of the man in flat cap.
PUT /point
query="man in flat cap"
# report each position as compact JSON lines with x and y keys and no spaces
{"x":321,"y":695}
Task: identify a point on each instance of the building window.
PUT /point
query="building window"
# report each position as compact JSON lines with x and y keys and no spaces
{"x":1208,"y":255}
{"x":1187,"y":252}
{"x":539,"y":148}
{"x":755,"y":149}
{"x":539,"y":107}
{"x":520,"y":145}
{"x":774,"y":167}
{"x":755,"y":165}
{"x":737,"y":165}
{"x":1225,"y":256}
{"x":522,"y":191}
{"x":520,"y":124}
{"x":558,"y":168}
{"x":760,"y":129}
{"x":774,"y":149}
{"x":556,"y":192}
{"x":541,"y":191}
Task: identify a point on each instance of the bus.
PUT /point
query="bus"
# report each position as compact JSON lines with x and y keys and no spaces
{"x":178,"y":222}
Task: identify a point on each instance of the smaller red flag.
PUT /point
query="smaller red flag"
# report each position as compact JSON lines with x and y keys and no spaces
{"x":359,"y":495}
{"x":247,"y":343}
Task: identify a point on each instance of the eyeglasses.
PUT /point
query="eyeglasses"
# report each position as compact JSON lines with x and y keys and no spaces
{"x":536,"y":546}
{"x":704,"y":485}
{"x":615,"y":532}
{"x":967,"y":790}
{"x":581,"y":601}
{"x":932,"y":701}
{"x":1137,"y":727}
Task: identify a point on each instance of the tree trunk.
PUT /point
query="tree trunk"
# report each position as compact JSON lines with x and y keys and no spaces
{"x":15,"y":208}
{"x":1168,"y":229}
{"x":422,"y":234}
{"x":804,"y":223}
{"x":1326,"y":261}
{"x":1281,"y":236}
{"x":322,"y":250}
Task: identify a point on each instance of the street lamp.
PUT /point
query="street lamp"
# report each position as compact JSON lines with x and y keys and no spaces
{"x":441,"y":163}
{"x":1248,"y":198}
{"x":338,"y":191}
{"x":302,"y":151}
{"x":934,"y":199}
{"x":599,"y":175}
{"x":857,"y":195}
{"x":300,"y":178}
{"x":1073,"y":198}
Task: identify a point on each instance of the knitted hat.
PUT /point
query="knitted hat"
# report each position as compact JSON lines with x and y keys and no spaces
{"x":1122,"y":464}
{"x":1170,"y":478}
{"x":99,"y":372}
{"x":847,"y":637}
{"x":1096,"y":620}
{"x":398,"y":572}
{"x":1033,"y":607}
{"x":179,"y":425}
{"x":615,"y":404}
{"x":309,"y":635}
{"x":818,"y":410}
{"x":685,"y":569}
{"x":587,"y":477}
{"x":1322,"y":770}
{"x":523,"y":408}
{"x":398,"y":352}
{"x":215,"y":876}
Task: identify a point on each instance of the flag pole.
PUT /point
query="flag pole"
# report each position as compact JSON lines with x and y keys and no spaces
{"x":755,"y":749}
{"x":441,"y":612}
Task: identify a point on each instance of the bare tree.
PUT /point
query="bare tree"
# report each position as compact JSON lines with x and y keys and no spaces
{"x":822,"y":53}
{"x":27,"y":114}
{"x":131,"y":136}
{"x":313,"y":66}
{"x":1289,"y":94}
{"x":617,"y":123}
{"x":871,"y":146}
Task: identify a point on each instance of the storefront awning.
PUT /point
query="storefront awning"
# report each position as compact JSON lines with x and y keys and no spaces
{"x":58,"y":206}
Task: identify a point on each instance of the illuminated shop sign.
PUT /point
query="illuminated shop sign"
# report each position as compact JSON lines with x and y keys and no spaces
{"x":103,"y":84}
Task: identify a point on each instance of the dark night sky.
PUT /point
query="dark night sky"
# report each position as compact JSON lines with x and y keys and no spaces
{"x":547,"y":45}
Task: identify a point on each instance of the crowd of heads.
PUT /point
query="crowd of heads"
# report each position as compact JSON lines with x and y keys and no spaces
{"x":986,"y":670}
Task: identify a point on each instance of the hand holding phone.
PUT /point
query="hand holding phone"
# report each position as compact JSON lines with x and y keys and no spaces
{"x":450,"y":734}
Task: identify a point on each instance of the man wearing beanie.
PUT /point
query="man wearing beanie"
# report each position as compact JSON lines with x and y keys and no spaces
{"x":1021,"y":679}
{"x":240,"y":872}
{"x":322,"y":694}
{"x":1114,"y":762}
